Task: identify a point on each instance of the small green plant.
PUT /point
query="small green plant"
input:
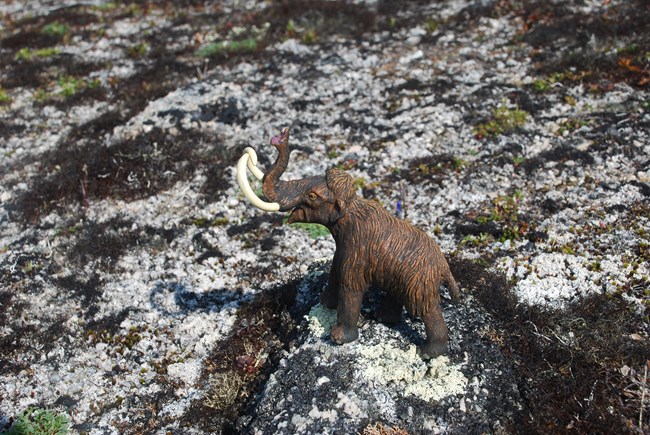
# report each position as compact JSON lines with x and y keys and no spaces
{"x":56,"y":29}
{"x":119,"y":343}
{"x":290,"y":29}
{"x":137,"y":51}
{"x":227,"y":47}
{"x":430,"y":25}
{"x":360,"y":183}
{"x":41,"y":95}
{"x":4,"y":97}
{"x":29,"y":54}
{"x":134,"y":9}
{"x":72,"y":85}
{"x":459,"y":164}
{"x":37,"y":421}
{"x":568,"y":248}
{"x":541,"y":85}
{"x":482,"y":240}
{"x":310,"y":36}
{"x":314,"y":230}
{"x":505,"y":211}
{"x":572,"y":124}
{"x":29,"y":266}
{"x":456,"y":164}
{"x":545,"y":83}
{"x":103,"y":7}
{"x":503,"y":120}
{"x":518,"y":160}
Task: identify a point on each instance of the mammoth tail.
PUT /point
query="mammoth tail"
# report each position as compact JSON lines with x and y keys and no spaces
{"x":452,"y":285}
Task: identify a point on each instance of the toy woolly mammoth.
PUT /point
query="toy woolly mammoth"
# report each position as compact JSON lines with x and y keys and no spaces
{"x":372,"y":248}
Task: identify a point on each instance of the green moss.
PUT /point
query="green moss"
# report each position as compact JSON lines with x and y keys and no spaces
{"x":568,"y":248}
{"x":541,"y":85}
{"x":119,"y":342}
{"x":4,"y":97}
{"x":104,"y":7}
{"x":56,"y":29}
{"x":482,"y":239}
{"x":72,"y":85}
{"x":247,"y":45}
{"x":503,"y":120}
{"x":29,"y":54}
{"x":505,"y":211}
{"x":38,"y":421}
{"x":314,"y":230}
{"x":545,"y":83}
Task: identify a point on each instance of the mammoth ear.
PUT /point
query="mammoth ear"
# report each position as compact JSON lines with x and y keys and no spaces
{"x":340,"y":184}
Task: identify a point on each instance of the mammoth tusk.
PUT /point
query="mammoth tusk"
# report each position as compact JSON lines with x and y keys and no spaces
{"x":249,"y":159}
{"x":252,"y":163}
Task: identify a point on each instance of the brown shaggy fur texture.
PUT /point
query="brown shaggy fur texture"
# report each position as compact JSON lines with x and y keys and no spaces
{"x":372,"y":248}
{"x":375,"y":248}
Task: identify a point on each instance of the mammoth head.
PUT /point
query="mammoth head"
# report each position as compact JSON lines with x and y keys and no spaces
{"x":316,"y":199}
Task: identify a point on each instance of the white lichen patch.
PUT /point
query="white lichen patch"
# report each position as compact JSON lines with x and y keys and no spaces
{"x":391,"y":366}
{"x":320,"y":320}
{"x":553,"y":279}
{"x":349,"y":404}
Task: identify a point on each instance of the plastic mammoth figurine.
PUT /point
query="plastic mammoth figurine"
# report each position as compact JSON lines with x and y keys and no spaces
{"x":372,"y":248}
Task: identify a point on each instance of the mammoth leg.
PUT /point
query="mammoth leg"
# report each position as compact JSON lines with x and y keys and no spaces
{"x":390,"y":310}
{"x":330,"y":296}
{"x":437,"y":334}
{"x":346,"y":329}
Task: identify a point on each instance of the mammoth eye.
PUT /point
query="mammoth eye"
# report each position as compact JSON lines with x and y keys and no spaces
{"x":312,"y":196}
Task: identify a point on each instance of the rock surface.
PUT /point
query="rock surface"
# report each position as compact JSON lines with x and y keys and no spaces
{"x":140,"y":293}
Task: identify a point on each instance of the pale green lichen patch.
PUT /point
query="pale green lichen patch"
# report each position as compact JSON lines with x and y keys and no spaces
{"x":320,"y":320}
{"x":430,"y":381}
{"x":389,"y":365}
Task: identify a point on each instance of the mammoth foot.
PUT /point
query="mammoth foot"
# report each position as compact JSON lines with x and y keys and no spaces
{"x":432,"y":350}
{"x":341,"y":335}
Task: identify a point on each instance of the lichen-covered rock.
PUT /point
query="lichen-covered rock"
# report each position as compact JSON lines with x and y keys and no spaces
{"x":320,"y":386}
{"x":140,"y":294}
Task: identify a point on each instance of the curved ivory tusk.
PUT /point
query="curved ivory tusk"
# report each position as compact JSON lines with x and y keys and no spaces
{"x":252,"y":163}
{"x":249,"y":159}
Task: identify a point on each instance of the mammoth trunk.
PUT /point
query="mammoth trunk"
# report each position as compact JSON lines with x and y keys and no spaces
{"x":288,"y":194}
{"x":271,"y":180}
